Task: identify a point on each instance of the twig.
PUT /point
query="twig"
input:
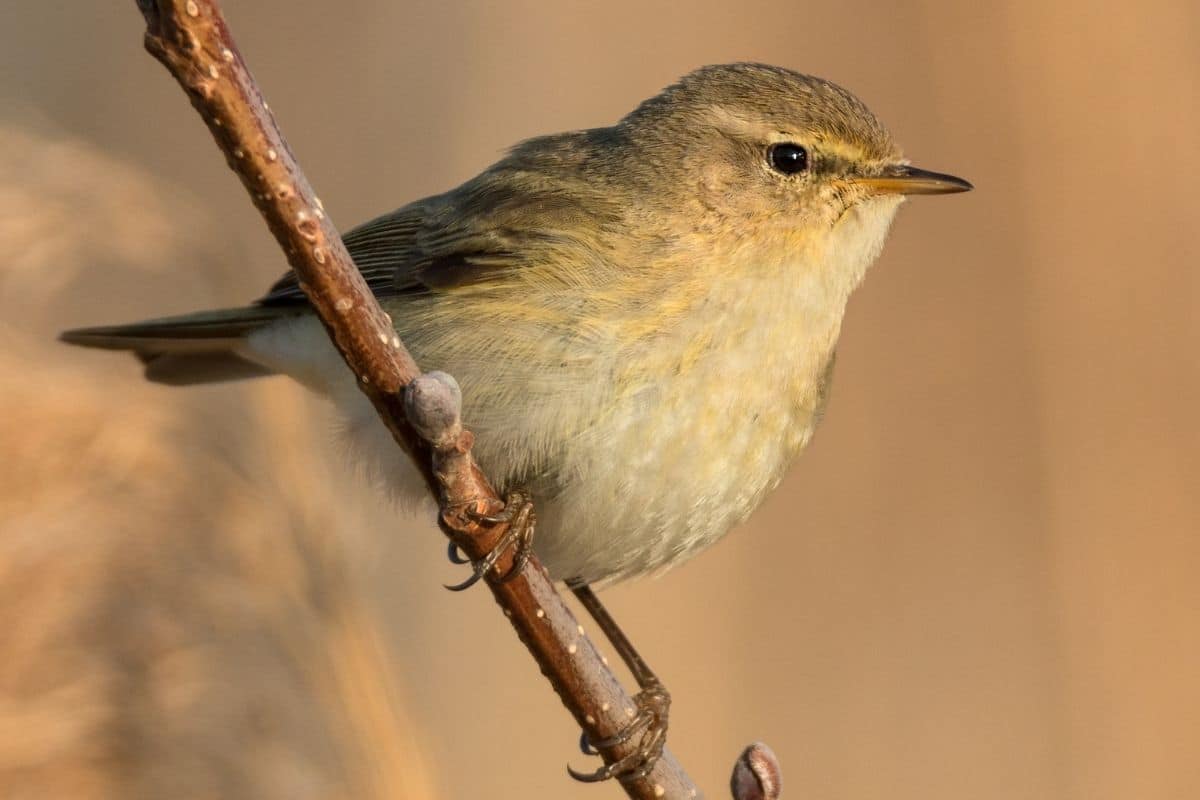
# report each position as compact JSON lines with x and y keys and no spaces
{"x":191,"y":38}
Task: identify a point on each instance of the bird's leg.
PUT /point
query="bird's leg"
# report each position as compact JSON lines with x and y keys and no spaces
{"x":518,"y":514}
{"x":653,"y":703}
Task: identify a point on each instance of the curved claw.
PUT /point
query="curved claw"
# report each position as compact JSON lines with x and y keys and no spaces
{"x":476,"y":575}
{"x":634,"y":766}
{"x":602,"y":774}
{"x":456,"y":555}
{"x":518,"y":513}
{"x":585,"y":746}
{"x":651,"y":722}
{"x":484,"y":565}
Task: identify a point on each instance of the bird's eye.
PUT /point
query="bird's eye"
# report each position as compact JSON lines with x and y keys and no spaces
{"x":788,"y":158}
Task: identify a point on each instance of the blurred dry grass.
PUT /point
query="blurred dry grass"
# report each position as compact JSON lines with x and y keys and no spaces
{"x":991,"y":591}
{"x":168,"y":627}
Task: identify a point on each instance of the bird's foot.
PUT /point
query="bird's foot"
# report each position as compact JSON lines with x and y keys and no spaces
{"x":518,"y":515}
{"x":649,"y":724}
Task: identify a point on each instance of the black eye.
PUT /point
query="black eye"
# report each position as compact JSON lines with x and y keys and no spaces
{"x":788,"y":158}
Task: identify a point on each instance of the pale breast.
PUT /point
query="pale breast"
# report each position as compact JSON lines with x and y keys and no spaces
{"x":694,"y":440}
{"x":708,"y":416}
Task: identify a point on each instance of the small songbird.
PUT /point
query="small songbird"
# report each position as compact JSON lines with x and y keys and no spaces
{"x":642,"y":317}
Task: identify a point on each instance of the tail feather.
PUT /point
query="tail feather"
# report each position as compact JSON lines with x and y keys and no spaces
{"x":188,"y":349}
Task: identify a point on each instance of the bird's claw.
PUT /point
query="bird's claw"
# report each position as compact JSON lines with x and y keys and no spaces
{"x":585,"y":745}
{"x":653,"y":704}
{"x":518,"y":515}
{"x":455,"y":554}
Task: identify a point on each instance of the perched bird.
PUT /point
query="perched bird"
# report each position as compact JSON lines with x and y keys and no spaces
{"x":642,"y":317}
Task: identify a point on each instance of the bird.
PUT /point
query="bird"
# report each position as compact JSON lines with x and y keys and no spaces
{"x":643,"y":317}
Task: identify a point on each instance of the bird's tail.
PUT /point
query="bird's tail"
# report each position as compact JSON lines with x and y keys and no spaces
{"x":188,"y":349}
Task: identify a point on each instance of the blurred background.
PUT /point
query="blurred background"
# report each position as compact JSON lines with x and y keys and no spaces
{"x":980,"y":581}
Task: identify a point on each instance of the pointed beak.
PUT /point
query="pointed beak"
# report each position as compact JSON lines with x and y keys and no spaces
{"x":903,"y":179}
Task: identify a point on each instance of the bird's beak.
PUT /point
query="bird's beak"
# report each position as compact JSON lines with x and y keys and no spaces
{"x":903,"y":179}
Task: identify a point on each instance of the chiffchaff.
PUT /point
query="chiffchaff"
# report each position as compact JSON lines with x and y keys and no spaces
{"x":642,"y":317}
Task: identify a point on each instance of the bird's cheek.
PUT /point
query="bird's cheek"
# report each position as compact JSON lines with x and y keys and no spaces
{"x":712,"y":188}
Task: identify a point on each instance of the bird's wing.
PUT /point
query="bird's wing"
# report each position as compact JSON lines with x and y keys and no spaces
{"x":477,"y":233}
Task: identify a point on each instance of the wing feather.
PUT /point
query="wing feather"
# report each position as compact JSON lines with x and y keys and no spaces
{"x":476,"y":233}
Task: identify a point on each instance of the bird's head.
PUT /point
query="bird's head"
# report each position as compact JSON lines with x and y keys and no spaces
{"x":755,"y":151}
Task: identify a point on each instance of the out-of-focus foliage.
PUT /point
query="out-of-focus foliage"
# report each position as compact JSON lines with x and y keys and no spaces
{"x":168,"y":628}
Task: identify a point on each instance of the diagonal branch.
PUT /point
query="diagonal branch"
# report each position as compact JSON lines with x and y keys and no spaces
{"x":191,"y":38}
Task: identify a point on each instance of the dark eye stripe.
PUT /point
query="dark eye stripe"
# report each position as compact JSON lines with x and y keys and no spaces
{"x":788,"y":158}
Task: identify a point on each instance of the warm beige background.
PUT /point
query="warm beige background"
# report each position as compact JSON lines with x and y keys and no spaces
{"x":990,"y":592}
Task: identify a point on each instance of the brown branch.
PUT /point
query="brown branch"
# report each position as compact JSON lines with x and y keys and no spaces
{"x":191,"y":38}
